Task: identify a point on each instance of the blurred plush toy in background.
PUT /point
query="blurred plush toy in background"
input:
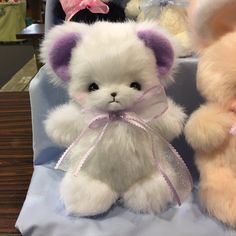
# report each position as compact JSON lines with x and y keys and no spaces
{"x":90,"y":11}
{"x":209,"y":129}
{"x":170,"y":14}
{"x":133,"y":10}
{"x":118,"y":121}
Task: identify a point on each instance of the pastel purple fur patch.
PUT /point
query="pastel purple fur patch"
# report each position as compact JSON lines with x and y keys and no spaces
{"x":60,"y":54}
{"x":162,"y":49}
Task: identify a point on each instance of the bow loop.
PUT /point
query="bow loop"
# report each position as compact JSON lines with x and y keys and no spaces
{"x":152,"y":104}
{"x":99,"y":121}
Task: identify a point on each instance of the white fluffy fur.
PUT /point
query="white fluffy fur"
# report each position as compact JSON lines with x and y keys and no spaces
{"x":64,"y":124}
{"x":89,"y":34}
{"x":122,"y":164}
{"x":149,"y":195}
{"x":85,"y":196}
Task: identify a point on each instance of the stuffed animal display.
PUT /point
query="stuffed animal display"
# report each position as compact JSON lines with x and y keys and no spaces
{"x":133,"y":10}
{"x":90,"y":11}
{"x":171,"y":15}
{"x":211,"y":129}
{"x":118,"y":123}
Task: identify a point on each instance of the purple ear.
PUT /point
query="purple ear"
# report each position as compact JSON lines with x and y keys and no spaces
{"x":162,"y":49}
{"x":60,"y":55}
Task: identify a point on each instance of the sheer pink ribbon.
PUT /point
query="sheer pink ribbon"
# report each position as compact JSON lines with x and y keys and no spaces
{"x":71,"y":7}
{"x":151,"y":105}
{"x":233,"y":130}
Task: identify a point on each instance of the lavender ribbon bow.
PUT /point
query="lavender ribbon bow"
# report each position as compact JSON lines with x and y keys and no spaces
{"x":151,"y":105}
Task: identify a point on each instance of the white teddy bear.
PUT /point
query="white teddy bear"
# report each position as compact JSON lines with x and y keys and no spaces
{"x":108,"y":68}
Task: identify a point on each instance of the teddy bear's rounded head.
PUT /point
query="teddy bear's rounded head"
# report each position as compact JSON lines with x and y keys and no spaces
{"x":213,"y":28}
{"x":107,"y":66}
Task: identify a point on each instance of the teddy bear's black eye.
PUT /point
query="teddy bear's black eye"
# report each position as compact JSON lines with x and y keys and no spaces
{"x":136,"y":85}
{"x":93,"y":87}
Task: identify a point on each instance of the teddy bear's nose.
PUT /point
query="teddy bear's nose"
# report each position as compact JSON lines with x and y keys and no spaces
{"x":113,"y":94}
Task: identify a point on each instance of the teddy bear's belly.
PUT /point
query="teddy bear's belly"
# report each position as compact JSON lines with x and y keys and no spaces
{"x":122,"y":158}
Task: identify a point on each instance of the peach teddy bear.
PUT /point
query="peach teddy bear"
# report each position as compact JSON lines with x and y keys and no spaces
{"x":209,"y":130}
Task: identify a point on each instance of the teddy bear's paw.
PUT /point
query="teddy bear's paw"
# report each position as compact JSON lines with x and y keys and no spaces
{"x":85,"y":196}
{"x":148,"y":196}
{"x":219,"y":199}
{"x":208,"y":128}
{"x":62,"y":124}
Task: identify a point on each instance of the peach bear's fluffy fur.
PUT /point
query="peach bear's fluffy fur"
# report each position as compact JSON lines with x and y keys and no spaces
{"x":208,"y":129}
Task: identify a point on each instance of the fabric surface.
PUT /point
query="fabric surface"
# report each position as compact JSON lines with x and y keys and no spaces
{"x":43,"y":212}
{"x":12,"y":20}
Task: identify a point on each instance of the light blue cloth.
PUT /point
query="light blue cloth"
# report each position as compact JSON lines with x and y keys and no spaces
{"x":43,"y":213}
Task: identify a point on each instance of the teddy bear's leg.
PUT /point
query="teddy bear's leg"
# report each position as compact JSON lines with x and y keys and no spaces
{"x":86,"y":196}
{"x":150,"y":195}
{"x":217,"y":194}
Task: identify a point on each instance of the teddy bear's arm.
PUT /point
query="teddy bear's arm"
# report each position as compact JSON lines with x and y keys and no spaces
{"x":170,"y":124}
{"x":209,"y":127}
{"x":64,"y":124}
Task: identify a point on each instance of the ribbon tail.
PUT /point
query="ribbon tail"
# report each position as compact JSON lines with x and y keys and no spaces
{"x":173,"y":169}
{"x":67,"y":161}
{"x":165,"y":176}
{"x":68,"y":150}
{"x":88,"y":153}
{"x":168,"y":162}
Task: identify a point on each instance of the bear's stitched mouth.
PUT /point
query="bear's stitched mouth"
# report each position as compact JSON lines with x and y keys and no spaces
{"x":114,"y":101}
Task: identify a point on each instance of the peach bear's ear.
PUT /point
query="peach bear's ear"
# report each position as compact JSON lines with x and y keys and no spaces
{"x":210,"y":20}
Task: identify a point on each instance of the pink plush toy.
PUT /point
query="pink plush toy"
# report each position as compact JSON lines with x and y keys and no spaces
{"x":71,"y":7}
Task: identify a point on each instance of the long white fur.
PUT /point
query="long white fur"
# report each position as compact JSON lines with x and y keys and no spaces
{"x":127,"y":148}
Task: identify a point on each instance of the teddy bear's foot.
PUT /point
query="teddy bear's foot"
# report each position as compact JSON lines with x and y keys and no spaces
{"x":150,"y":195}
{"x":218,"y":197}
{"x":85,"y":196}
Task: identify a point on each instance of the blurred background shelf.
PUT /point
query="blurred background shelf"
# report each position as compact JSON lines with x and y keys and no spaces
{"x":16,"y":157}
{"x":14,"y":55}
{"x":20,"y":81}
